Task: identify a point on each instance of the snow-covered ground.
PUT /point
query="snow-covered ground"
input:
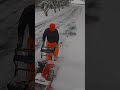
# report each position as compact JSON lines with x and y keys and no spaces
{"x":78,"y":1}
{"x":71,"y":27}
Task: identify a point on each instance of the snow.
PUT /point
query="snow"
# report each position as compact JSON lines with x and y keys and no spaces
{"x":40,"y":16}
{"x":71,"y":75}
{"x":71,"y":26}
{"x":78,"y":1}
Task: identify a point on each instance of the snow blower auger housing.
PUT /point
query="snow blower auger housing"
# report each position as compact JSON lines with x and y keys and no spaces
{"x":46,"y":70}
{"x":45,"y":74}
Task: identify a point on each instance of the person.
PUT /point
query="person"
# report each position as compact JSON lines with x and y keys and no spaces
{"x":27,"y":18}
{"x":52,"y":40}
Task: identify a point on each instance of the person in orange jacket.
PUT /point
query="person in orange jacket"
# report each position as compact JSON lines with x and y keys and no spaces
{"x":52,"y":40}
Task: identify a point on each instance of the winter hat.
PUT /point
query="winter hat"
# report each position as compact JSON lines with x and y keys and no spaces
{"x":52,"y":27}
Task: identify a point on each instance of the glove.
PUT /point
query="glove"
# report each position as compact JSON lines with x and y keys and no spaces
{"x":20,"y":42}
{"x":56,"y":46}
